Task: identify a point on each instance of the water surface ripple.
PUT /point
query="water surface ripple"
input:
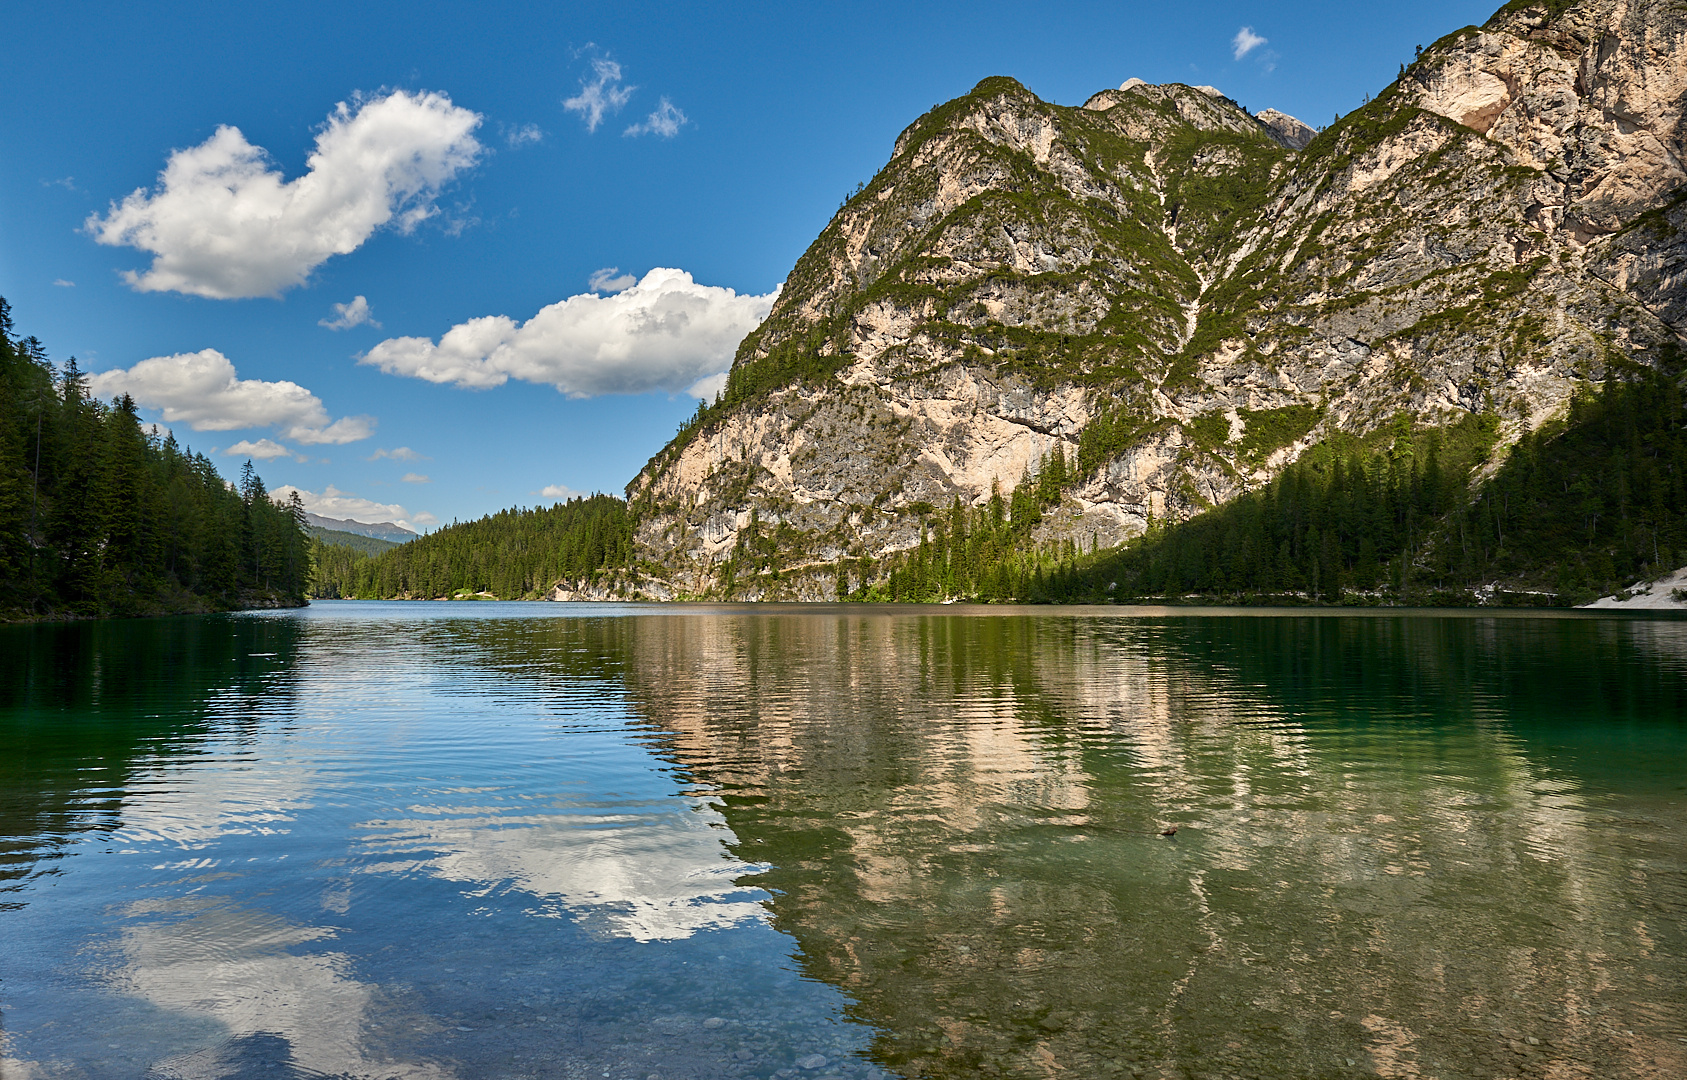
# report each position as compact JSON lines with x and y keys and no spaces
{"x":505,"y":840}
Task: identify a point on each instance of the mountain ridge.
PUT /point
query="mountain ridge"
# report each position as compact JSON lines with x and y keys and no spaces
{"x":1160,"y":286}
{"x":379,"y":530}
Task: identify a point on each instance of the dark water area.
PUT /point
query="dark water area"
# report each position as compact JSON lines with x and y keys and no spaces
{"x":529,"y":840}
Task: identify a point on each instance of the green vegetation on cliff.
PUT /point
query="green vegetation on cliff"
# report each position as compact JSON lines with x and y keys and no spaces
{"x":512,"y":555}
{"x":100,"y":518}
{"x":984,"y":552}
{"x":1579,"y":509}
{"x":1408,"y":514}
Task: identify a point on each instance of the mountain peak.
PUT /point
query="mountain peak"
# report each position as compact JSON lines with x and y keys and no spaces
{"x":1292,"y":133}
{"x":380,"y":530}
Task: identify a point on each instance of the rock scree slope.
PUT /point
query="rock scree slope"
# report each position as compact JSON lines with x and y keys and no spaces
{"x":1181,"y":297}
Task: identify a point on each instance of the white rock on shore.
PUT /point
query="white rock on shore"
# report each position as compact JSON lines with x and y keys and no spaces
{"x":1668,"y":593}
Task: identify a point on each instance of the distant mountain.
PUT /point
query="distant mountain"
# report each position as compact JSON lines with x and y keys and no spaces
{"x":368,"y":545}
{"x":381,"y":530}
{"x":578,"y":550}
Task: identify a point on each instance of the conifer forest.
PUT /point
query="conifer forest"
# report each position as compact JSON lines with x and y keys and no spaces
{"x":101,"y":515}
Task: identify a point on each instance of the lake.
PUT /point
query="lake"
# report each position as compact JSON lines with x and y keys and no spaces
{"x":563,"y":840}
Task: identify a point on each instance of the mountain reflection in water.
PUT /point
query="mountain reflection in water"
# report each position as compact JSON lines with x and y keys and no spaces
{"x":1413,"y":846}
{"x":373,"y":840}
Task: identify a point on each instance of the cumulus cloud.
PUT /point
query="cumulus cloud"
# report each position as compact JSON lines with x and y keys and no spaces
{"x":1245,"y":42}
{"x":223,"y":223}
{"x":602,"y":93}
{"x":416,"y":478}
{"x":665,"y":333}
{"x":335,"y":503}
{"x":349,"y":315}
{"x":665,"y":121}
{"x":204,"y":390}
{"x":610,"y":279}
{"x":263,"y":450}
{"x":63,"y":284}
{"x":560,"y":492}
{"x":709,"y":387}
{"x":402,"y":453}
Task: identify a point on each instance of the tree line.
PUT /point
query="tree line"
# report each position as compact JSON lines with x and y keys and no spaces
{"x":513,"y":554}
{"x":986,"y":553}
{"x":1580,"y":508}
{"x":101,"y":517}
{"x":1348,"y":516}
{"x":1406,"y":514}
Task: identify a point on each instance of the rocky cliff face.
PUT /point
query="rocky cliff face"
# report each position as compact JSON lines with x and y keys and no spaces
{"x":1183,"y":297}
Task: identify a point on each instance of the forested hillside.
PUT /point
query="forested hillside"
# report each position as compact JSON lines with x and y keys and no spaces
{"x":511,"y":555}
{"x":1581,"y":508}
{"x":368,"y":545}
{"x":100,"y":518}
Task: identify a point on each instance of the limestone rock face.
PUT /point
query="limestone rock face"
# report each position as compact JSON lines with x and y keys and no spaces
{"x":1286,"y":129}
{"x":1184,"y":297}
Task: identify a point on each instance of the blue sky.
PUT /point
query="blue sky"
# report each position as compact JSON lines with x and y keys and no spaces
{"x":492,"y":161}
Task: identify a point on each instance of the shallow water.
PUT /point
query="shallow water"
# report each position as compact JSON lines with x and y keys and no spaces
{"x":508,"y":840}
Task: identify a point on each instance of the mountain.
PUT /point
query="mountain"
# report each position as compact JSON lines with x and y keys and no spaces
{"x":380,"y":530}
{"x":368,"y":545}
{"x":1181,"y":299}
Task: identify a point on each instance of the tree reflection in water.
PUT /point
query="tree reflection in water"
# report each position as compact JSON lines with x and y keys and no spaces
{"x":1408,"y":845}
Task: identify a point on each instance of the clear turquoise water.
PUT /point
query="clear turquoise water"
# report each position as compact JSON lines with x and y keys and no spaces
{"x":507,"y":840}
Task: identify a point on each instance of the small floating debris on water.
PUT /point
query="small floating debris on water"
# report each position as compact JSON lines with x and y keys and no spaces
{"x":1169,"y":832}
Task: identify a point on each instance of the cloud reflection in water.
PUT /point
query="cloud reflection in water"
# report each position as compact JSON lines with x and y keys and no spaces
{"x":655,"y":874}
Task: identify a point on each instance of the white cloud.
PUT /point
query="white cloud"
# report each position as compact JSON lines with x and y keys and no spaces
{"x":203,"y":390}
{"x":604,"y":93}
{"x":402,"y":453}
{"x":1245,"y":42}
{"x":610,"y":279}
{"x":560,"y":492}
{"x":335,"y":503}
{"x":63,"y":284}
{"x":263,"y":450}
{"x":664,"y":333}
{"x":415,"y":478}
{"x":349,"y":315}
{"x":223,"y":223}
{"x":665,"y":121}
{"x":709,"y":387}
{"x":521,"y":134}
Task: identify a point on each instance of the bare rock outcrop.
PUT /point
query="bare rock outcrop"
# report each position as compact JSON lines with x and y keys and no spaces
{"x":1287,"y":130}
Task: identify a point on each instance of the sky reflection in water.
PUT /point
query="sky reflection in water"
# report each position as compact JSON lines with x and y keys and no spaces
{"x":486,"y":840}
